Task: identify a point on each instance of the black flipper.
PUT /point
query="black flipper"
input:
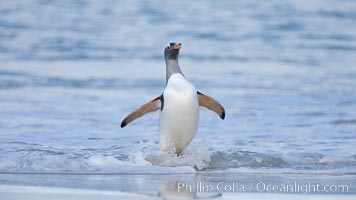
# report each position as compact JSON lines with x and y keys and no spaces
{"x":151,"y":106}
{"x":211,"y":104}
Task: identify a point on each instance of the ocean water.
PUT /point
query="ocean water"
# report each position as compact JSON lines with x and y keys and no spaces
{"x":285,"y":72}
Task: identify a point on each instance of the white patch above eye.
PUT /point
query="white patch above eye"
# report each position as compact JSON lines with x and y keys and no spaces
{"x":171,"y":44}
{"x":168,"y":45}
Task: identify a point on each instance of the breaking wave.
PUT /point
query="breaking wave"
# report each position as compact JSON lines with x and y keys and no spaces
{"x":146,"y":158}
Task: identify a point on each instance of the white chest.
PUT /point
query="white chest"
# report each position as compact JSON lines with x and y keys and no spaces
{"x":180,"y":115}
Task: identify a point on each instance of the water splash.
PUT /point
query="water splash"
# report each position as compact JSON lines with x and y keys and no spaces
{"x":197,"y":156}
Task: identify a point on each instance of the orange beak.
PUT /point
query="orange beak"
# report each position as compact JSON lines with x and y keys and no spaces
{"x":177,"y":46}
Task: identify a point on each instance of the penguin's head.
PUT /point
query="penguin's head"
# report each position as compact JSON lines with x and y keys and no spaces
{"x":172,"y":50}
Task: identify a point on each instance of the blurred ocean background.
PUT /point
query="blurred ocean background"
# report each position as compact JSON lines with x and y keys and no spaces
{"x":285,"y":71}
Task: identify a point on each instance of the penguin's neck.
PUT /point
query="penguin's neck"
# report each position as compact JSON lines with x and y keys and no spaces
{"x":172,"y":67}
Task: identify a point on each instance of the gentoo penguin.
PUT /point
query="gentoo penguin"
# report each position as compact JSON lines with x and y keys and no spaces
{"x":178,"y":105}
